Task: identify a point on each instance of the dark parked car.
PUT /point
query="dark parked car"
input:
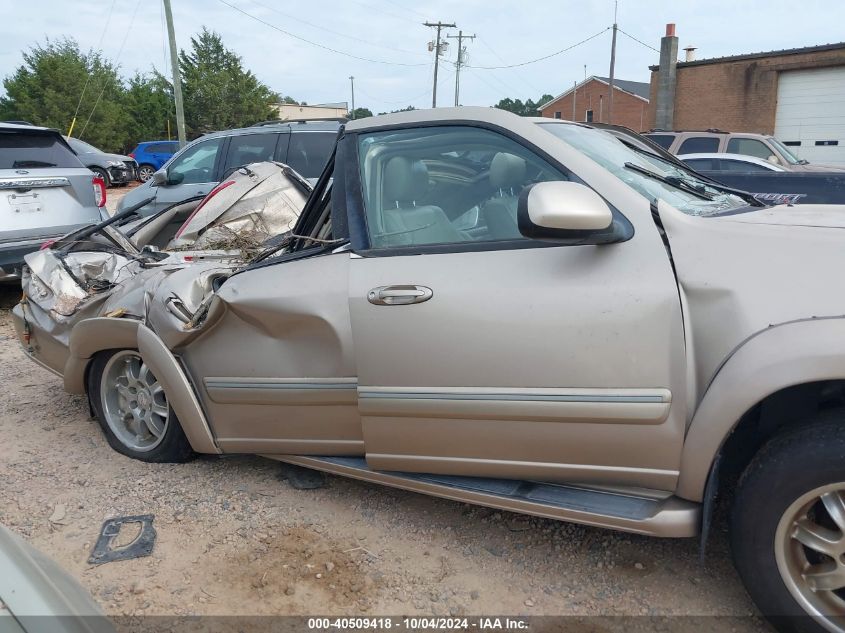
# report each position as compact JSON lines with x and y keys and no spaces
{"x":199,"y":166}
{"x":114,"y":169}
{"x":152,"y":155}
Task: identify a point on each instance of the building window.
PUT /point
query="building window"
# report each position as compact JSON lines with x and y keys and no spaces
{"x":557,"y":114}
{"x":589,"y":116}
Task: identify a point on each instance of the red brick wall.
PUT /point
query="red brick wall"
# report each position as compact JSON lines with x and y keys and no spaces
{"x":738,"y":96}
{"x":628,"y":110}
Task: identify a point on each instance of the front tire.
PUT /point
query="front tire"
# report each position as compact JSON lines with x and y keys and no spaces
{"x":102,"y":173}
{"x":788,"y":527}
{"x":132,"y":409}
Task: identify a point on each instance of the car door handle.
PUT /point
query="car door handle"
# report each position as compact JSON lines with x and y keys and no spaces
{"x":399,"y":295}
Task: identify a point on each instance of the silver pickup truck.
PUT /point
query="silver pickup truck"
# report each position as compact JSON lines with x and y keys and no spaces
{"x":527,"y":314}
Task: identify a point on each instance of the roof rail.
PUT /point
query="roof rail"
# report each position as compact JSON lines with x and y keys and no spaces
{"x":338,"y":119}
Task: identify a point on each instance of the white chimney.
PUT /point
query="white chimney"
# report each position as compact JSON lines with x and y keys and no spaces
{"x":690,"y":51}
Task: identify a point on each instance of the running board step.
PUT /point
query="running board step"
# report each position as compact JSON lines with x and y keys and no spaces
{"x":669,"y":517}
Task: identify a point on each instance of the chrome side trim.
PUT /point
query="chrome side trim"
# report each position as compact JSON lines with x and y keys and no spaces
{"x":270,"y":383}
{"x":516,"y":397}
{"x":631,"y":406}
{"x":672,"y":517}
{"x":282,"y":391}
{"x":298,"y":447}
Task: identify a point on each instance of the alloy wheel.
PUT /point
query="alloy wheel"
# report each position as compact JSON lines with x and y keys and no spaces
{"x":134,"y":403}
{"x":810,"y":554}
{"x":145,"y":173}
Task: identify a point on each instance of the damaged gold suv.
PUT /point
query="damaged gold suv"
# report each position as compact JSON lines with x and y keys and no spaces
{"x":527,"y":314}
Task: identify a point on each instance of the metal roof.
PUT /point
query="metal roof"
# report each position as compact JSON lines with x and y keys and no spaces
{"x":639,"y":88}
{"x":736,"y":58}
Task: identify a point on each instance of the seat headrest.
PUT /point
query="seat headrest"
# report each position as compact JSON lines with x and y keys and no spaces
{"x":404,"y":180}
{"x":507,"y":170}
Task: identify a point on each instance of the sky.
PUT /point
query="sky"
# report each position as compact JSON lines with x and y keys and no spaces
{"x":383,"y":43}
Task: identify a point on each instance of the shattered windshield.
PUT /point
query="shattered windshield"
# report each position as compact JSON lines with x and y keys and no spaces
{"x":648,"y":174}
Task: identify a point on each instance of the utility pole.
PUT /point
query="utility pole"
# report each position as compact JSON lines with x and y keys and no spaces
{"x":612,"y":64}
{"x":352,"y":83}
{"x":461,"y":51}
{"x":437,"y":53}
{"x":177,"y":78}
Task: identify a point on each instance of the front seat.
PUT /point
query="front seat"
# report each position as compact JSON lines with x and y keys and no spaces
{"x":404,"y":221}
{"x":507,"y":175}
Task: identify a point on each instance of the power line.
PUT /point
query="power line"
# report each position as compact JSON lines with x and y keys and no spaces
{"x":381,"y":11}
{"x":116,"y":59}
{"x":519,"y":75}
{"x":480,"y":77}
{"x":312,"y":43}
{"x":338,"y":33}
{"x":539,"y":59}
{"x":399,"y":6}
{"x":637,"y":41}
{"x":88,"y":77}
{"x":407,"y":100}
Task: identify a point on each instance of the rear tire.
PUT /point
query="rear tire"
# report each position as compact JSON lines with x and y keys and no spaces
{"x":102,"y":173}
{"x":145,"y":172}
{"x":132,"y":409}
{"x":788,"y":527}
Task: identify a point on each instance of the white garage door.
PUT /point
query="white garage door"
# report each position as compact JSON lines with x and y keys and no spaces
{"x":811,"y":111}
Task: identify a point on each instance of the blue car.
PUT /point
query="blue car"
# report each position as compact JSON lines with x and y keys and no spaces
{"x":151,"y":155}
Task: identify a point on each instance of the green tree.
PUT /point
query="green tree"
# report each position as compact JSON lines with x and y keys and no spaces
{"x":148,"y":105}
{"x":47,"y":87}
{"x":405,"y":109}
{"x":528,"y":108}
{"x":360,"y":113}
{"x":218,"y":92}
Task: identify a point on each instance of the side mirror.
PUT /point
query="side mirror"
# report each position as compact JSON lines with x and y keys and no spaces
{"x":561,"y":210}
{"x":773,"y":160}
{"x":160,"y":177}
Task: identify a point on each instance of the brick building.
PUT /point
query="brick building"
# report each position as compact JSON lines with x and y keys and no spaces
{"x":797,"y":95}
{"x":590,"y":98}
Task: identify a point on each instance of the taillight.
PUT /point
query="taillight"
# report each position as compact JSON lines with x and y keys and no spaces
{"x":99,"y":191}
{"x":47,"y":245}
{"x":131,"y":154}
{"x":210,"y":195}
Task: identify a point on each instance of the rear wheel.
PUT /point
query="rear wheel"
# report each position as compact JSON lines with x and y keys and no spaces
{"x":102,"y":173}
{"x":145,"y":172}
{"x":133,"y":411}
{"x":788,"y":528}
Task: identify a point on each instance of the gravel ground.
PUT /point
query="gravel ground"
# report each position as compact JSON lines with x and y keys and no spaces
{"x":234,"y":538}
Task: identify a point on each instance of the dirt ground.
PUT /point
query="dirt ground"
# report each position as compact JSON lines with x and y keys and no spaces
{"x":114,"y":194}
{"x":234,"y":538}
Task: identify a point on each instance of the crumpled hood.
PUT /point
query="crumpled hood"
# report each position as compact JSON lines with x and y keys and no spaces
{"x":810,"y":215}
{"x":743,"y":273}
